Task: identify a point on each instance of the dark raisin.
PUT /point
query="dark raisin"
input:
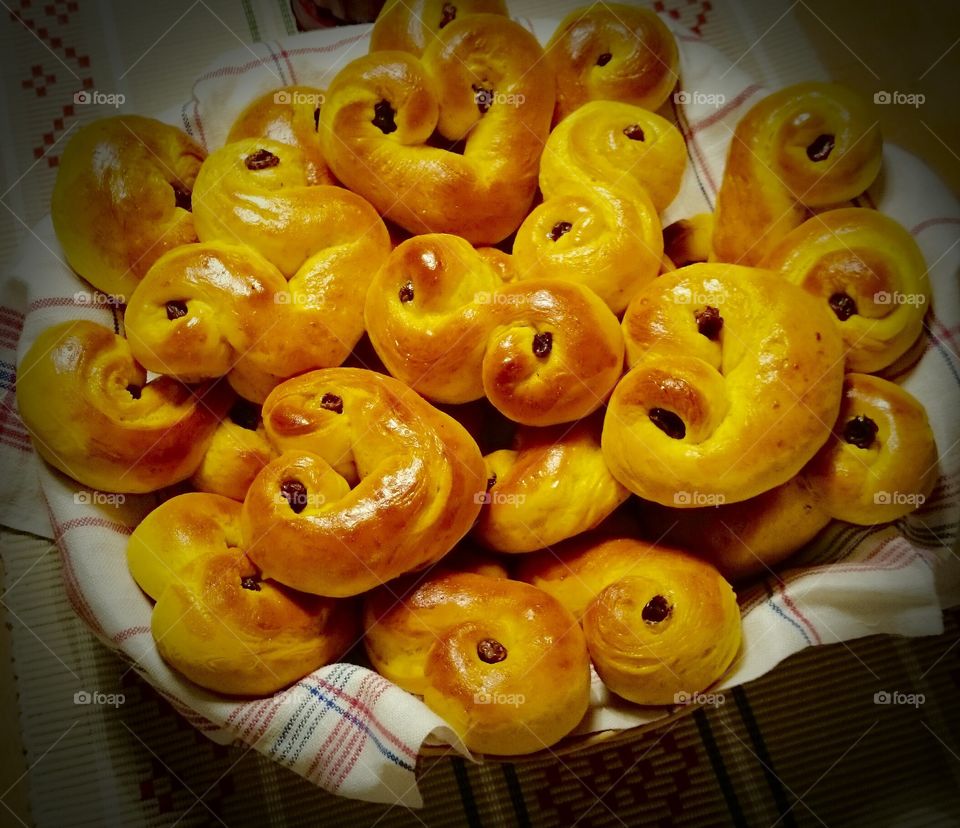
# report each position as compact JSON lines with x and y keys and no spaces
{"x":295,"y":493}
{"x":175,"y":309}
{"x":542,"y":344}
{"x":656,"y":610}
{"x":821,"y":148}
{"x":668,"y":422}
{"x":134,"y":391}
{"x":316,"y":119}
{"x":261,"y":160}
{"x":709,"y":322}
{"x":860,"y":432}
{"x":484,"y":98}
{"x":561,"y":228}
{"x":406,"y":293}
{"x":491,"y":481}
{"x":491,"y":651}
{"x":245,"y":414}
{"x":842,"y":305}
{"x":331,"y":402}
{"x":182,"y":196}
{"x":604,"y":59}
{"x":449,"y":14}
{"x":634,"y":132}
{"x":250,"y":583}
{"x":383,"y":117}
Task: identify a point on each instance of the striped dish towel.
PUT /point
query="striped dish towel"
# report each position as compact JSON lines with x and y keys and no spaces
{"x":346,"y":728}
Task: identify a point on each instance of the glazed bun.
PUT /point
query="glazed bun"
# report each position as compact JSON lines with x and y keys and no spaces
{"x":483,"y":82}
{"x":443,"y":321}
{"x":371,"y":482}
{"x":660,"y":624}
{"x":612,"y":51}
{"x":870,"y":273}
{"x":804,"y":147}
{"x":554,"y":484}
{"x":734,"y":379}
{"x":123,"y":198}
{"x":412,"y":25}
{"x":93,"y":415}
{"x":502,"y":662}
{"x":216,"y":620}
{"x":880,"y":463}
{"x":289,"y":115}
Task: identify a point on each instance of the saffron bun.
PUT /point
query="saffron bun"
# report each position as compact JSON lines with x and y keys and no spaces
{"x":371,"y":482}
{"x":482,"y":81}
{"x":122,"y":198}
{"x":289,"y":115}
{"x":871,"y":274}
{"x":552,"y":485}
{"x":411,"y":25}
{"x":93,"y":415}
{"x":735,"y":379}
{"x":880,"y":462}
{"x":216,"y":620}
{"x":503,"y":663}
{"x":660,"y":624}
{"x":444,"y":322}
{"x":612,"y":51}
{"x":805,"y":147}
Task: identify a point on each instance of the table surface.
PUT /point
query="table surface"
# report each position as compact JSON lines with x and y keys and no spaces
{"x":764,"y":756}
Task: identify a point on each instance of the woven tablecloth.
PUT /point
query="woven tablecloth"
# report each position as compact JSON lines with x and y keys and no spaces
{"x":48,"y":637}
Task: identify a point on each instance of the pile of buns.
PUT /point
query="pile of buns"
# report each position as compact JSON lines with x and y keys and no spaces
{"x":415,"y":364}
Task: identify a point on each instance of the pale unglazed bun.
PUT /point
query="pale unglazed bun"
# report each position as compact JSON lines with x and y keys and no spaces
{"x":503,"y":663}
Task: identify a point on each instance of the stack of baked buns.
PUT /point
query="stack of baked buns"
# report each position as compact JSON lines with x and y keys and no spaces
{"x":416,"y":367}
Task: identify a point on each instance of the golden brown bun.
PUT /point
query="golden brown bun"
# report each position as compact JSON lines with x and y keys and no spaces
{"x":416,"y":476}
{"x":870,"y":273}
{"x":807,"y":146}
{"x":411,"y":25}
{"x":746,"y":538}
{"x":443,"y":321}
{"x":505,"y":664}
{"x":612,"y":51}
{"x":659,"y":623}
{"x":237,"y":453}
{"x":881,"y":460}
{"x":215,"y":308}
{"x":616,"y":145}
{"x":122,"y":199}
{"x":289,"y":115}
{"x":258,"y":192}
{"x":381,"y":112}
{"x":554,"y":484}
{"x":734,"y":379}
{"x":92,"y":414}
